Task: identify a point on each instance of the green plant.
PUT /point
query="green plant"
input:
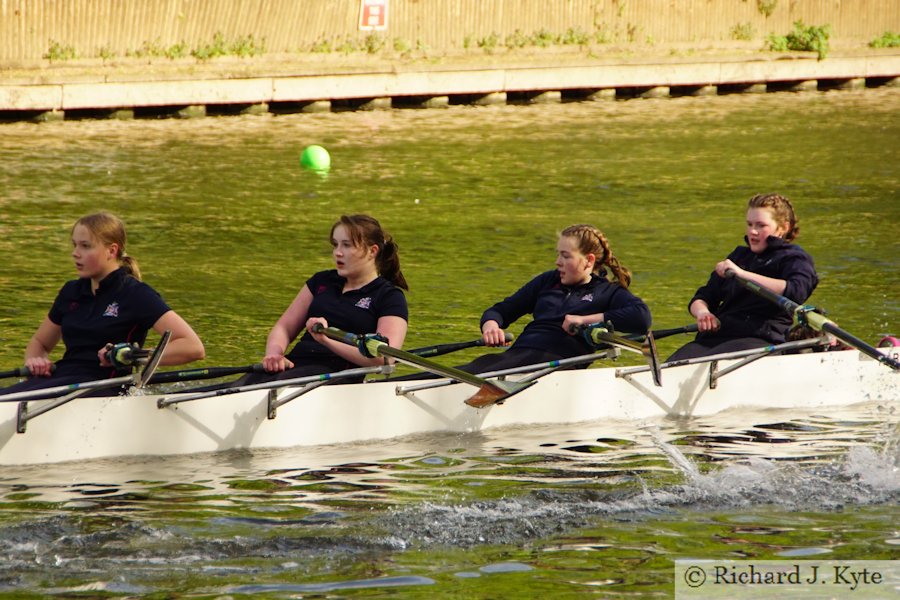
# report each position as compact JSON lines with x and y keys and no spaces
{"x":574,"y":37}
{"x":516,"y":39}
{"x":105,"y":53}
{"x":148,"y":48}
{"x":347,"y":46}
{"x":489,"y":43}
{"x":218,"y":47}
{"x":766,"y":7}
{"x":602,"y":35}
{"x":888,"y":39}
{"x":401,"y":45}
{"x":321,"y":45}
{"x":374,"y":43}
{"x":804,"y":38}
{"x":246,"y":46}
{"x":742,"y":31}
{"x":59,"y":51}
{"x":544,"y":38}
{"x":179,"y":50}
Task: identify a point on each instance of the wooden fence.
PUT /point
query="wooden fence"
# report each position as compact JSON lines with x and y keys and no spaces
{"x":34,"y":29}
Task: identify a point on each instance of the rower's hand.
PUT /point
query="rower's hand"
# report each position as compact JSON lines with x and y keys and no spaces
{"x":706,"y":321}
{"x":39,"y":366}
{"x":727,"y":265}
{"x":276,"y":363}
{"x":319,"y":337}
{"x":493,"y":335}
{"x":572,"y":323}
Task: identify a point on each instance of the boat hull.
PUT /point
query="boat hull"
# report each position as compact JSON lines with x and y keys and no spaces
{"x":88,"y":428}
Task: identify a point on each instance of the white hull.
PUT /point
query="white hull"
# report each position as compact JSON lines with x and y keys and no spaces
{"x":88,"y":428}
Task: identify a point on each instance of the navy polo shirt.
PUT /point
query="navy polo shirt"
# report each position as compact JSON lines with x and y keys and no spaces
{"x":123,"y":310}
{"x":356,"y":311}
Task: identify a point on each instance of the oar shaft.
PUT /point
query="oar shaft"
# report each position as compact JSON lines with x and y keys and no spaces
{"x":815,"y":320}
{"x":205,"y":373}
{"x":380,"y":348}
{"x":18,"y":372}
{"x":489,"y":392}
{"x":852,"y":340}
{"x":661,"y":333}
{"x":439,"y":349}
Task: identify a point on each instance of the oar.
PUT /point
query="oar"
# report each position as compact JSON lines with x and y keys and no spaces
{"x":599,"y":334}
{"x":18,"y":372}
{"x":214,"y":372}
{"x":203,"y":373}
{"x":21,"y":372}
{"x":24,"y":414}
{"x":806,"y":315}
{"x":661,"y":333}
{"x":440,"y":349}
{"x":136,"y":379}
{"x":489,"y":392}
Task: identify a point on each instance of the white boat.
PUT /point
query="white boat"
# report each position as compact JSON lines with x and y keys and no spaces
{"x":148,"y":424}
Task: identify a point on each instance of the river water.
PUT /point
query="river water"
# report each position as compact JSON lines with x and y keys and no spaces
{"x":227,"y":227}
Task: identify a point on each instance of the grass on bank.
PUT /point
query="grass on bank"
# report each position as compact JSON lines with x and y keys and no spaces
{"x":804,"y":38}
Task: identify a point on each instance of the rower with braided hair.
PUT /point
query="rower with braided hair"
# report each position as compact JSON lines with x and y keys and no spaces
{"x":577,"y":292}
{"x":730,"y":317}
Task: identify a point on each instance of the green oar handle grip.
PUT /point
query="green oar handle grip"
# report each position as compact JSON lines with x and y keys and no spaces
{"x":367,"y":344}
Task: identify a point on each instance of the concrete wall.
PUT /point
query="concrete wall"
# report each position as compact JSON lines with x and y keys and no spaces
{"x":102,"y":28}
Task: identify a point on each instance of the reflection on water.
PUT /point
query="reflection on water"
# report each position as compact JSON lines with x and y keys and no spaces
{"x":421,"y":509}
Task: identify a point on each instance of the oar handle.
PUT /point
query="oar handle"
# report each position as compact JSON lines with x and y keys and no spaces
{"x":816,"y":320}
{"x":21,"y":372}
{"x":661,"y":333}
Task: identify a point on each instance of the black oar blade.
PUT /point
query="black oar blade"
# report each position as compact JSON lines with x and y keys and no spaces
{"x":150,"y":368}
{"x":494,"y":392}
{"x":653,"y":358}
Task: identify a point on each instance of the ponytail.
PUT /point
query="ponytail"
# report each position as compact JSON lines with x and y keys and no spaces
{"x":387,"y":261}
{"x":592,"y":241}
{"x":109,"y":229}
{"x":366,"y":231}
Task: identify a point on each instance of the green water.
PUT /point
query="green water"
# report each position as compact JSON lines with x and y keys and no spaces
{"x":227,"y":227}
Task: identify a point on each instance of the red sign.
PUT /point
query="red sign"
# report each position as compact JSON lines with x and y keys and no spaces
{"x":373,"y":14}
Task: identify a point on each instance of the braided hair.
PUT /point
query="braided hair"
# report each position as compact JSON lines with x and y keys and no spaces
{"x":592,"y":241}
{"x":782,"y":212}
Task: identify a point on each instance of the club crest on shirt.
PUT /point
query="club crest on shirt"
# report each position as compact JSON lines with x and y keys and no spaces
{"x":587,"y":298}
{"x":112,"y":310}
{"x":364,"y":302}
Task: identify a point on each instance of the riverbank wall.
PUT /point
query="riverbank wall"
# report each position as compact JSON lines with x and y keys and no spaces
{"x":337,"y":57}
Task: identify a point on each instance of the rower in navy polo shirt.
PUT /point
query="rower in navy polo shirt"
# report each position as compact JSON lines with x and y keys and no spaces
{"x":362,"y":295}
{"x":108,"y":304}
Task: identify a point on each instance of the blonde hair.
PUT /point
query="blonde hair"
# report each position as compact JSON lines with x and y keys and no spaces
{"x":108,"y":229}
{"x":591,"y":240}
